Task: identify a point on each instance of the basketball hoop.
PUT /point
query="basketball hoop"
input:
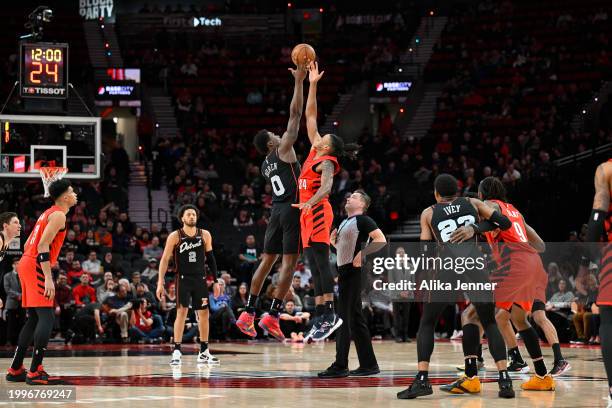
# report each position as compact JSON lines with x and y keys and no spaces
{"x":51,"y":174}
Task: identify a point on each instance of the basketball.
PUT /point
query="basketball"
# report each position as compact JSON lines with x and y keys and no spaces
{"x":302,"y":54}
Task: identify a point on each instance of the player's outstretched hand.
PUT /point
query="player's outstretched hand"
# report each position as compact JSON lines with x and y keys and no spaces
{"x":462,"y":234}
{"x":159,"y":292}
{"x":300,"y":73}
{"x":314,"y":74}
{"x":49,"y":289}
{"x":305,"y":207}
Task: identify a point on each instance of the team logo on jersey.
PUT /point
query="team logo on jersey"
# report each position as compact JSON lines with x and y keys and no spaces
{"x":186,"y":246}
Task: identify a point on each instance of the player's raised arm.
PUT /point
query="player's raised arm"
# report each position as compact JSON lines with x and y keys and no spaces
{"x":56,"y":222}
{"x":171,"y":242}
{"x":311,"y":103}
{"x":601,"y":203}
{"x":210,"y":255}
{"x":295,"y":114}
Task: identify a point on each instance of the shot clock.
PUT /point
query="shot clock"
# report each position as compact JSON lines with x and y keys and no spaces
{"x":44,"y":70}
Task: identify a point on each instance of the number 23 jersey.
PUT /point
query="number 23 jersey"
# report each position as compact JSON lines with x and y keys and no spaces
{"x":283,"y":178}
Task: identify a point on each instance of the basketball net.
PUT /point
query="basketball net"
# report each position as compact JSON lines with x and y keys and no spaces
{"x":51,"y":174}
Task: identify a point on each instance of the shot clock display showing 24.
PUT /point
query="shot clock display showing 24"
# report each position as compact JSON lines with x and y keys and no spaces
{"x":44,"y":70}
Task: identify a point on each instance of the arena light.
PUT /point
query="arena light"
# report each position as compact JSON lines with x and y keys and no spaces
{"x":584,"y":111}
{"x":321,"y":10}
{"x":394,"y":216}
{"x":431,"y":12}
{"x":335,"y":123}
{"x":289,"y":5}
{"x":401,"y":110}
{"x":400,"y":70}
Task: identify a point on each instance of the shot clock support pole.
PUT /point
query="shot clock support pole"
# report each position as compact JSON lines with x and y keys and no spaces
{"x":9,"y":96}
{"x":80,"y":99}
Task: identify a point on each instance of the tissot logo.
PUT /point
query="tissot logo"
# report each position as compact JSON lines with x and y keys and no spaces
{"x":186,"y":246}
{"x":33,"y":90}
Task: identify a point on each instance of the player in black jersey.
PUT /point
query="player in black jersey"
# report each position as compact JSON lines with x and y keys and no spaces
{"x":282,"y":169}
{"x":10,"y":229}
{"x":438,"y":222}
{"x":191,"y":249}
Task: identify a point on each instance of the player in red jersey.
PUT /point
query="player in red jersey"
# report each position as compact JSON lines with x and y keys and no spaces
{"x":600,"y":223}
{"x":519,"y":277}
{"x":37,"y":289}
{"x":316,"y":216}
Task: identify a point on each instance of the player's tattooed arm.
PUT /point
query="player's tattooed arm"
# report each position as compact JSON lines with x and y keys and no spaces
{"x":311,"y":103}
{"x":327,"y":180}
{"x":171,"y":242}
{"x":295,"y":116}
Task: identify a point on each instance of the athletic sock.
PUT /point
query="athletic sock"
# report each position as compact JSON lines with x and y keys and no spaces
{"x":422,"y":375}
{"x":19,"y":356}
{"x":177,"y":346}
{"x":203,"y":346}
{"x":319,"y":309}
{"x":503,"y":375}
{"x":540,"y":367}
{"x":275,"y":307}
{"x":37,"y":358}
{"x":530,"y":337}
{"x":329,"y":308}
{"x":514,"y":354}
{"x":250,"y":306}
{"x":471,"y":369}
{"x":557,"y":351}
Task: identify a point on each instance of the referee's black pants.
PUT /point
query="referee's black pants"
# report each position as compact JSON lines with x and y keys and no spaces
{"x":354,"y":324}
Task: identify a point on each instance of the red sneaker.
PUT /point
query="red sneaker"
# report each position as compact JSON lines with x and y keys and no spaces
{"x":245,"y":324}
{"x":40,"y":377}
{"x":18,"y":375}
{"x":270,"y":324}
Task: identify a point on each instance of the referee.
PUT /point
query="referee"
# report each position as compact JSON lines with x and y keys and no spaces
{"x":356,"y":230}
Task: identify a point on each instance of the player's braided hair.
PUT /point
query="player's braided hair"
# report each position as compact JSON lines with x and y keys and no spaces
{"x":341,"y":149}
{"x":492,"y":188}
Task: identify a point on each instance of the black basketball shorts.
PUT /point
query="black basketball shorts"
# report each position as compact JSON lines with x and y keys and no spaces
{"x":191,"y":290}
{"x":283,"y":231}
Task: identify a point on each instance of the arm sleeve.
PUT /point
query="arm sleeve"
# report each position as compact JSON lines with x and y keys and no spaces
{"x":212,"y":263}
{"x":366,"y":224}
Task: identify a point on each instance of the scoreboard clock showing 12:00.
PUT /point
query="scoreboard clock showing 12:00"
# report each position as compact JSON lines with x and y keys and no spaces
{"x":44,"y":70}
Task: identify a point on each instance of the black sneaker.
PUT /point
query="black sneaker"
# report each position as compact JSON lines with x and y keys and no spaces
{"x":418,"y":388}
{"x":334,"y":372}
{"x":560,"y":367}
{"x":505,"y":388}
{"x":327,"y":326}
{"x":518,"y":367}
{"x":362,"y":372}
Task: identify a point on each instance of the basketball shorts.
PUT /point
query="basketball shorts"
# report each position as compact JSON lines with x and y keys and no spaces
{"x":521,"y":280}
{"x":283,"y":231}
{"x":32,"y":281}
{"x":192,"y":291}
{"x":316,"y":225}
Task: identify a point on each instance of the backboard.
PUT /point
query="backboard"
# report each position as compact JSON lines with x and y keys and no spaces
{"x":28,"y":142}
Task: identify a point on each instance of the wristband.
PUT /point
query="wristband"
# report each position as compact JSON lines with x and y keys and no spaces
{"x":43,"y":257}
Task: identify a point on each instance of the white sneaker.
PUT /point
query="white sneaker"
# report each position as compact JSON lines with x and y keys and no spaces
{"x":457,"y":334}
{"x":176,"y":357}
{"x":177,"y":374}
{"x":207,"y":358}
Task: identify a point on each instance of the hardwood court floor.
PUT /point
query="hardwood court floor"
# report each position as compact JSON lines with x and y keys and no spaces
{"x":269,"y":374}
